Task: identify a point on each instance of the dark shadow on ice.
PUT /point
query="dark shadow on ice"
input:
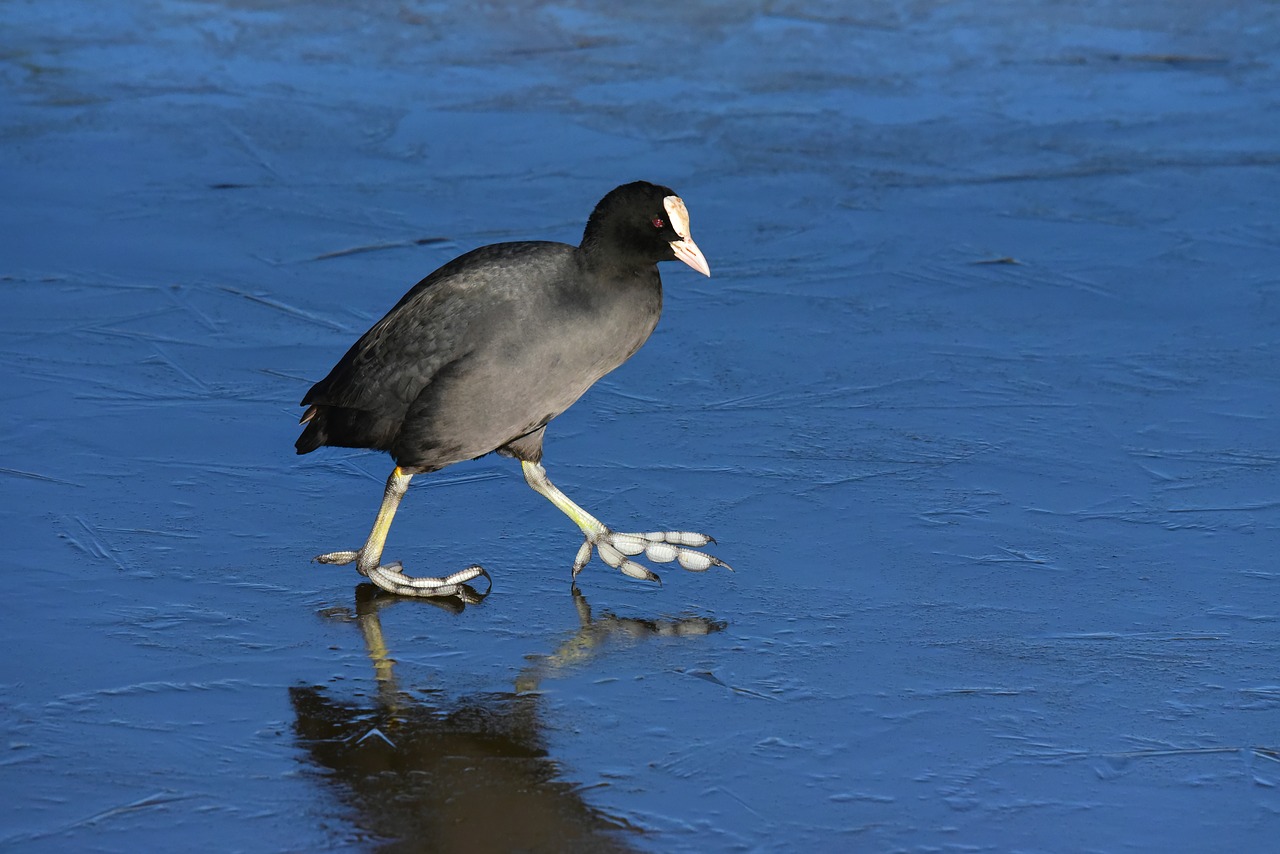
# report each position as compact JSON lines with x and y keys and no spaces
{"x":426,"y":772}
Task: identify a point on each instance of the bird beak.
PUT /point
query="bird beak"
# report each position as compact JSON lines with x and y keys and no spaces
{"x":684,"y":247}
{"x":687,"y":251}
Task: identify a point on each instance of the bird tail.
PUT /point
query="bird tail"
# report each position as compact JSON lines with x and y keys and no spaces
{"x":343,"y":427}
{"x":316,"y":433}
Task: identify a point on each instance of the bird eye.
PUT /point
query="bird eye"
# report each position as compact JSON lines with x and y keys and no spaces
{"x":657,"y":222}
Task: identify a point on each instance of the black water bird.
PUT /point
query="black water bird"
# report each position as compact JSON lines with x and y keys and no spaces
{"x":480,"y":355}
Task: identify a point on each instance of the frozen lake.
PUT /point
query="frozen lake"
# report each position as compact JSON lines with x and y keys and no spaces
{"x":981,"y":402}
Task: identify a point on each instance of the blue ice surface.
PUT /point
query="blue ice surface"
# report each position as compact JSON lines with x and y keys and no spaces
{"x":980,"y":402}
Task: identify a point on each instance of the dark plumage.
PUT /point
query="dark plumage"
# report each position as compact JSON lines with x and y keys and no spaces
{"x":480,"y":355}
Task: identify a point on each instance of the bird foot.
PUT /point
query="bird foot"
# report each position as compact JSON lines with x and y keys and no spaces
{"x":617,"y":549}
{"x":391,"y":577}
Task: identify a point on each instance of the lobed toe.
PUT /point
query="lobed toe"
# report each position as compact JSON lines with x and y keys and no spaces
{"x":337,"y":558}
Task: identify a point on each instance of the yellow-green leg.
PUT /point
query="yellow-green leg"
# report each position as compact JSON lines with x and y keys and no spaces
{"x":616,"y":549}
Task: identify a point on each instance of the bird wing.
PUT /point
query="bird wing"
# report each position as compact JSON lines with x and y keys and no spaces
{"x":429,"y":328}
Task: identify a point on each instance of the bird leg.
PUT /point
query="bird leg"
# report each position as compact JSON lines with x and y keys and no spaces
{"x":391,"y":577}
{"x":616,"y":549}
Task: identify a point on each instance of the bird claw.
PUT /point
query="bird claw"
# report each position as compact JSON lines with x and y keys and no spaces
{"x":617,"y":549}
{"x":392,"y":578}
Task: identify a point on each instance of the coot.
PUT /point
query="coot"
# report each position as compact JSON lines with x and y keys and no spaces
{"x":479,"y":357}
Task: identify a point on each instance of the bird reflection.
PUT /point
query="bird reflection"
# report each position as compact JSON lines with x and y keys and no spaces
{"x":424,"y":772}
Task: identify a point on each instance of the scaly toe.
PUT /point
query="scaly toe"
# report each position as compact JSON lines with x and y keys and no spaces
{"x":617,"y":549}
{"x":663,"y":547}
{"x":680,"y":538}
{"x":696,"y":561}
{"x":583,"y":557}
{"x":635,"y":570}
{"x":338,"y":558}
{"x":392,"y":578}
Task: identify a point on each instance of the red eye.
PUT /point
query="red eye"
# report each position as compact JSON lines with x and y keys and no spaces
{"x":657,"y":222}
